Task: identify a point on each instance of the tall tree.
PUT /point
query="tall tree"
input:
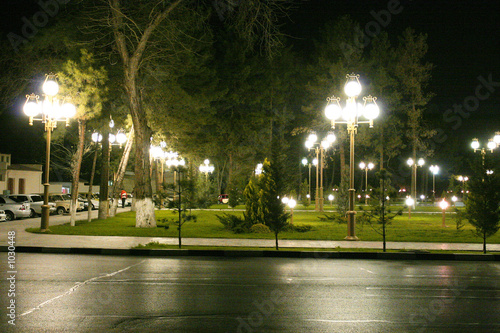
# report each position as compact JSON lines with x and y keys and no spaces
{"x":85,"y":85}
{"x":481,"y":206}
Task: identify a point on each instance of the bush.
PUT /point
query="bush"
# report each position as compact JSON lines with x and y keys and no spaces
{"x":233,"y":223}
{"x":302,"y":228}
{"x":260,"y":228}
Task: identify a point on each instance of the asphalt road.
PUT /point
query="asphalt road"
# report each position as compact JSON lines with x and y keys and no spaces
{"x":86,"y":293}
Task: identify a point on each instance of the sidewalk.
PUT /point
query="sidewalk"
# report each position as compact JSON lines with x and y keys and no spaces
{"x":26,"y":239}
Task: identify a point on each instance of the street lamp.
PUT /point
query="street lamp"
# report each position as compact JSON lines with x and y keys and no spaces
{"x":331,"y":197}
{"x":435,"y":170}
{"x":320,"y":149}
{"x":366,"y":167}
{"x":409,"y":202}
{"x":259,"y":169}
{"x":444,"y":205}
{"x":463,"y":179}
{"x":350,"y":115}
{"x":51,"y":110}
{"x":491,"y":145}
{"x":414,"y":165}
{"x":291,"y":203}
{"x":306,"y":162}
{"x":207,"y":168}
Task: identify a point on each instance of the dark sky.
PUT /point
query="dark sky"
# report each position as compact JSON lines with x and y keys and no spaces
{"x":463,"y":38}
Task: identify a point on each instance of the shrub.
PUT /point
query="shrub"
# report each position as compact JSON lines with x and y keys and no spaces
{"x":260,"y":228}
{"x":302,"y":228}
{"x":233,"y":223}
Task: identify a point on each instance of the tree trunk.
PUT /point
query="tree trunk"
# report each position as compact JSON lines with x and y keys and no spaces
{"x":132,"y":57}
{"x":103,"y":190}
{"x":120,"y":174}
{"x":89,"y":195}
{"x":484,"y":242}
{"x":76,"y":165}
{"x":276,"y":237}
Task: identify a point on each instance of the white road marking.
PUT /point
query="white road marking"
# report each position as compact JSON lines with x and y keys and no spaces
{"x":75,"y":287}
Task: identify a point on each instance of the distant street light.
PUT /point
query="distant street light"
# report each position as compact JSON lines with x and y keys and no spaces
{"x":414,"y":165}
{"x":306,"y":162}
{"x":320,"y":149}
{"x":331,"y":197}
{"x":409,"y":202}
{"x":366,"y":167}
{"x":51,"y":110}
{"x":291,"y":203}
{"x":351,"y":114}
{"x":206,"y":168}
{"x":491,"y":145}
{"x":435,"y":170}
{"x":444,"y":205}
{"x":463,"y":179}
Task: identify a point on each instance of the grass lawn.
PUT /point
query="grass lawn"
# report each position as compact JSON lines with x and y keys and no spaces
{"x":422,"y":227}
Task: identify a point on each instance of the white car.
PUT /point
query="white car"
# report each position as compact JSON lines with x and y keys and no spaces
{"x":14,"y":210}
{"x":3,"y":217}
{"x":35,"y":201}
{"x":94,"y":200}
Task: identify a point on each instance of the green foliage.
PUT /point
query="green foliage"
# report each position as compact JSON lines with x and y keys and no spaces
{"x":234,"y":196}
{"x":234,"y":223}
{"x":482,"y":208}
{"x":253,"y":209}
{"x":205,"y":192}
{"x":260,"y":228}
{"x":304,"y":191}
{"x":301,"y":227}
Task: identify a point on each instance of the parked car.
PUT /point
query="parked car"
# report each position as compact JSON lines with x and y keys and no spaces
{"x":35,"y":201}
{"x":14,"y":210}
{"x":94,"y":199}
{"x":223,"y":198}
{"x":3,"y":217}
{"x":63,"y":202}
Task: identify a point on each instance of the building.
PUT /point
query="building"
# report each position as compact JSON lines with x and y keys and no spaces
{"x":19,"y":178}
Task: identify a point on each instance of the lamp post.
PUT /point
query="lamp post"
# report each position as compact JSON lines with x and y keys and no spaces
{"x":366,"y":167}
{"x":409,"y":202}
{"x":320,"y":149}
{"x":491,"y":145}
{"x":463,"y":179}
{"x":306,"y":162}
{"x":51,"y":110}
{"x":291,"y":203}
{"x":258,"y":169}
{"x":411,"y":163}
{"x":351,"y":114}
{"x":435,"y":170}
{"x":207,"y":168}
{"x":444,"y":205}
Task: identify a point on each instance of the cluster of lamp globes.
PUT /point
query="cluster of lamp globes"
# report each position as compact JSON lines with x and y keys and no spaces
{"x":171,"y":158}
{"x":492,"y":143}
{"x":352,"y":110}
{"x":325,"y":143}
{"x":206,"y":167}
{"x":51,"y":108}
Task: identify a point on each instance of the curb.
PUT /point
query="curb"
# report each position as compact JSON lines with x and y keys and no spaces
{"x":410,"y":255}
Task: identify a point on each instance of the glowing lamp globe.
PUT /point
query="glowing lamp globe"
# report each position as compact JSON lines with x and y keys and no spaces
{"x":121,"y":137}
{"x":371,"y":111}
{"x":475,"y":144}
{"x":333,"y":111}
{"x":50,"y":87}
{"x":352,"y":88}
{"x":32,"y":109}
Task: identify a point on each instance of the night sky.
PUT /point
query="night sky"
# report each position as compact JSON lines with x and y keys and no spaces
{"x":463,"y":39}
